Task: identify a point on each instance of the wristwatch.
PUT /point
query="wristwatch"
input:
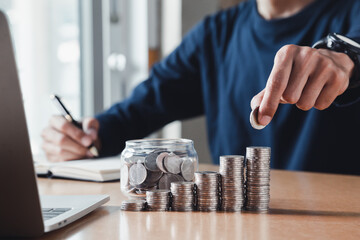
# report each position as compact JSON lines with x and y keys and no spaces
{"x":340,"y":43}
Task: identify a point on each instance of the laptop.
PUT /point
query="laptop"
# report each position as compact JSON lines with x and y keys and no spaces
{"x":22,"y":212}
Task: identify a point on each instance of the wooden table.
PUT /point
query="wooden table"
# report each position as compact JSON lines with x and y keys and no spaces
{"x":303,"y":206}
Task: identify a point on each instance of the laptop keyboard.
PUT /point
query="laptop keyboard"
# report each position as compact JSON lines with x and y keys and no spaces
{"x":49,"y":213}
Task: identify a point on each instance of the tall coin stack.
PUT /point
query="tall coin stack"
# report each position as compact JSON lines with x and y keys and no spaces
{"x":232,"y":183}
{"x":158,"y":200}
{"x":183,"y":196}
{"x":257,"y":178}
{"x":207,"y":183}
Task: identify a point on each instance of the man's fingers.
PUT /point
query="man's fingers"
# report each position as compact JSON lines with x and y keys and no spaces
{"x":62,"y":125}
{"x":276,"y":84}
{"x":303,"y":65}
{"x":53,"y":136}
{"x":57,"y":154}
{"x":312,"y":89}
{"x":256,"y":100}
{"x":326,"y":97}
{"x":91,"y":127}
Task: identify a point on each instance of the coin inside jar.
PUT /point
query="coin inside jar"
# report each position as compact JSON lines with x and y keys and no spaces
{"x":254,"y":119}
{"x":160,"y":161}
{"x":137,"y":174}
{"x":187,"y":169}
{"x":150,"y":161}
{"x":166,"y":180}
{"x":153,"y":177}
{"x":172,"y":163}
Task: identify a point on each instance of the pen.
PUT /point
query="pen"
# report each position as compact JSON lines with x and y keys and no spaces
{"x":67,"y":115}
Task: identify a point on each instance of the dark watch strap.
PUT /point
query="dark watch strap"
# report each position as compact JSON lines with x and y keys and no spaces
{"x":331,"y":42}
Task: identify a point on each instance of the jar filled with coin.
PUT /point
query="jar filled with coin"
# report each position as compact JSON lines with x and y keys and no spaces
{"x":150,"y":164}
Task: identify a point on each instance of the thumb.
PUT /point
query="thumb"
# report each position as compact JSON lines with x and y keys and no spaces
{"x":256,"y":100}
{"x":91,"y":127}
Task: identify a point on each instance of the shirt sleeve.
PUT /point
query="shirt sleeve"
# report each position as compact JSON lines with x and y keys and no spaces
{"x":172,"y":92}
{"x":352,"y":95}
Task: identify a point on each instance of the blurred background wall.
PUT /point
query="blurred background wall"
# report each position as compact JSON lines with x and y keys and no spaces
{"x":94,"y":52}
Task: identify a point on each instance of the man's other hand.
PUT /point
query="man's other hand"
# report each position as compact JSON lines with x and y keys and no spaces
{"x":303,"y":76}
{"x":63,"y":141}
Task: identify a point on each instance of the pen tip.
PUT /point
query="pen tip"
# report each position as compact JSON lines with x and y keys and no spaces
{"x":94,"y":151}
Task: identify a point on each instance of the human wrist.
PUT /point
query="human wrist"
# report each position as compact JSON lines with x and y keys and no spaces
{"x":345,"y":45}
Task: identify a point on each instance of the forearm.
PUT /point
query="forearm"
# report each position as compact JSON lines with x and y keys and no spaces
{"x":150,"y":107}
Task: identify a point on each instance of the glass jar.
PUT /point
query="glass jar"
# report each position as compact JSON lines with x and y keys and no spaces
{"x":149,"y":164}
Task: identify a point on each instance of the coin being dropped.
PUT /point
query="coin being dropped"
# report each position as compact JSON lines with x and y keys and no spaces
{"x":137,"y":173}
{"x":187,"y":169}
{"x":253,"y":119}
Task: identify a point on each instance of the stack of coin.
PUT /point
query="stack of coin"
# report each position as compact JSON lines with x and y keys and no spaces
{"x":183,"y":199}
{"x":133,"y":205}
{"x":232,"y":182}
{"x":207,"y":190}
{"x":158,"y":200}
{"x":258,"y":178}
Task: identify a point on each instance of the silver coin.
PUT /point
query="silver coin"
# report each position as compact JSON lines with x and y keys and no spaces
{"x":183,"y":197}
{"x":153,"y":177}
{"x":253,"y":119}
{"x":257,"y":178}
{"x":232,"y":183}
{"x":160,"y":161}
{"x":150,"y":161}
{"x":158,"y":200}
{"x":166,"y":180}
{"x":172,"y":163}
{"x":133,"y":205}
{"x":137,"y":174}
{"x":187,"y":169}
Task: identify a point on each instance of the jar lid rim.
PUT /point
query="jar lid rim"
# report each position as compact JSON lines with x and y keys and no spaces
{"x":160,"y":141}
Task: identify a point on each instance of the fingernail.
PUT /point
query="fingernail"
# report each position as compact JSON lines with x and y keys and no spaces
{"x":86,"y":140}
{"x":264,"y":120}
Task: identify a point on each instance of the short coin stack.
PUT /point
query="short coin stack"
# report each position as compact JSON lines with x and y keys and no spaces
{"x":257,"y":178}
{"x":232,"y":183}
{"x":133,"y":205}
{"x":183,"y":196}
{"x":207,"y":183}
{"x":158,"y":200}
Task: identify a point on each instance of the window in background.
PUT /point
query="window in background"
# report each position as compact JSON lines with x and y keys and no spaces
{"x":46,"y":41}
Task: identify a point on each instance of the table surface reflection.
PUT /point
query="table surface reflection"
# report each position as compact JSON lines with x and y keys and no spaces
{"x":303,"y":206}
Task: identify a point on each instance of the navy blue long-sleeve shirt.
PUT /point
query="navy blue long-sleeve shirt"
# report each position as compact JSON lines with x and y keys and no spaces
{"x":217,"y":69}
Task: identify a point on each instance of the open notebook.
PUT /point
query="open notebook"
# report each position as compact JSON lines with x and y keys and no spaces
{"x":99,"y":170}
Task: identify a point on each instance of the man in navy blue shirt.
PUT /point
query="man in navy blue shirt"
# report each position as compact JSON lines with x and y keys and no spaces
{"x":255,"y":54}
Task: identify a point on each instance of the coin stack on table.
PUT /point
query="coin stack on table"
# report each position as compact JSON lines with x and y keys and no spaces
{"x":183,"y":196}
{"x":158,"y":200}
{"x":257,"y":178}
{"x":133,"y":205}
{"x":207,"y":183}
{"x":232,"y":182}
